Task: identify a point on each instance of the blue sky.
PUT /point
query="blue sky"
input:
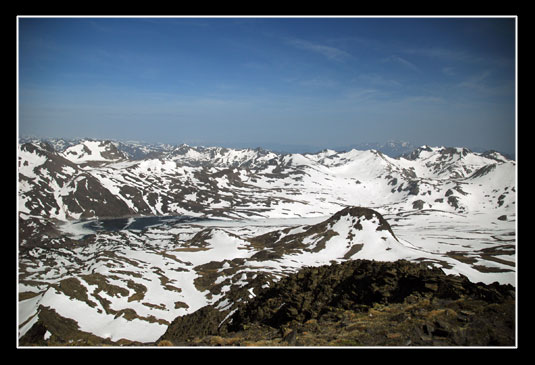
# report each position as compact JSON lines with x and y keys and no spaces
{"x":322,"y":82}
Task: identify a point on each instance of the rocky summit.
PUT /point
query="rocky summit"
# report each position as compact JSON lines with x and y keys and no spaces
{"x":359,"y":303}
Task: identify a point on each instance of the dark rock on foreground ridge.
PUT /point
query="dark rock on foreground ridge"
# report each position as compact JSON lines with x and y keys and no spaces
{"x":360,"y":303}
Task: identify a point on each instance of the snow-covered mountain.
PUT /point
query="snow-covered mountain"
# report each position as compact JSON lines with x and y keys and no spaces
{"x":268,"y":214}
{"x":96,"y":179}
{"x":390,"y":148}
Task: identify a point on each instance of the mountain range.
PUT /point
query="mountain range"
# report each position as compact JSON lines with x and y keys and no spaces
{"x":65,"y":182}
{"x":224,"y":223}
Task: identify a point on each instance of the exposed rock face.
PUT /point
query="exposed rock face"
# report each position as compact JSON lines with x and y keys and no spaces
{"x":411,"y":304}
{"x":202,"y":322}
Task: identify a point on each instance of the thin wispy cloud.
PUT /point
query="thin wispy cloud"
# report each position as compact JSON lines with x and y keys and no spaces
{"x":100,"y":26}
{"x":449,"y":71}
{"x":484,"y":85}
{"x":331,"y":53}
{"x":402,"y":61}
{"x":443,"y":54}
{"x":358,"y":95}
{"x":378,"y":80}
{"x":457,"y":55}
{"x":475,"y":81}
{"x":319,"y":83}
{"x":422,"y":100}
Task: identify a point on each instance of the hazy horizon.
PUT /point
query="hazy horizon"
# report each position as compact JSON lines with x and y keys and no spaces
{"x":279,"y":147}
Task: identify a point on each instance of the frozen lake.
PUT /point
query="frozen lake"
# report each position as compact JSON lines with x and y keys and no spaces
{"x":82,"y":228}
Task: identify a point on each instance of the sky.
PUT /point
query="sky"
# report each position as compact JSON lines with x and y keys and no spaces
{"x":265,"y":81}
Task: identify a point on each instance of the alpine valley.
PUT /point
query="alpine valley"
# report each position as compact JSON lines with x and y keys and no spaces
{"x":120,"y":242}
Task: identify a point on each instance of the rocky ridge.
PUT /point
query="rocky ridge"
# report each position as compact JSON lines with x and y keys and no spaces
{"x":354,"y":303}
{"x":360,"y":303}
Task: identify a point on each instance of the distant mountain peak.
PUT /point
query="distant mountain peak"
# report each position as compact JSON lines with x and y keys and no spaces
{"x":391,"y":148}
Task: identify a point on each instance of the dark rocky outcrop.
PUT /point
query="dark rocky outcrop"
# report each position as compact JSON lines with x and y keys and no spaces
{"x":200,"y":323}
{"x":410,"y":304}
